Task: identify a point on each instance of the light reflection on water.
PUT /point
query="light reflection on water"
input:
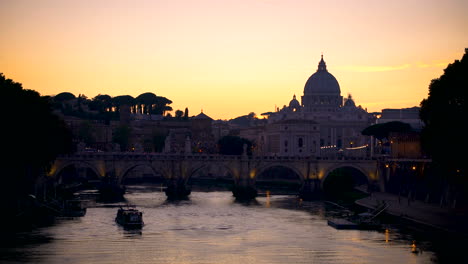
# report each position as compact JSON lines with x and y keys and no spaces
{"x":212,"y":228}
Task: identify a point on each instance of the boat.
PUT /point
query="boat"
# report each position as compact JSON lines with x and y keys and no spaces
{"x":129,"y":217}
{"x":73,"y":208}
{"x":362,"y":221}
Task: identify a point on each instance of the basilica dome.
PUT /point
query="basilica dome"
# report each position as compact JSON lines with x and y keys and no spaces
{"x":294,"y":103}
{"x":322,"y":82}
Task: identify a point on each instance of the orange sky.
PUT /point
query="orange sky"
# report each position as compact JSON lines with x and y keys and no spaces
{"x":231,"y":57}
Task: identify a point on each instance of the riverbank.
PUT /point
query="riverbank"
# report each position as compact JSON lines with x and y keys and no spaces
{"x":444,"y":219}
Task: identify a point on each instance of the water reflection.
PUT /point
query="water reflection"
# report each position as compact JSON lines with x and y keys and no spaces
{"x":212,"y":227}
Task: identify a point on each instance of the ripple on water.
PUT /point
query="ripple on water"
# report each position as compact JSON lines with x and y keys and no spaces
{"x":212,"y":228}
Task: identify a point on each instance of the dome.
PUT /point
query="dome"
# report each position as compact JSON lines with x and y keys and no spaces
{"x":349,"y":102}
{"x":294,"y":103}
{"x":322,"y":82}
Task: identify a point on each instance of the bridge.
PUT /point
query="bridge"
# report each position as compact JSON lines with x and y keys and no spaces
{"x":177,"y":169}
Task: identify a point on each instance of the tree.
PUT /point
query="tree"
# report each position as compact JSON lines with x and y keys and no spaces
{"x":234,"y":145}
{"x":101,"y":103}
{"x":444,"y":113}
{"x":122,"y":136}
{"x":65,"y":96}
{"x":32,"y":138}
{"x":162,"y":105}
{"x":186,"y":113}
{"x":86,"y":133}
{"x":179,"y":114}
{"x":382,"y":131}
{"x":120,"y":100}
{"x":146,"y":102}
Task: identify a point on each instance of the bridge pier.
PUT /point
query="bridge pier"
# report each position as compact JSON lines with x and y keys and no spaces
{"x":244,"y":189}
{"x":310,"y":190}
{"x":177,"y":189}
{"x":244,"y":186}
{"x":110,"y":188}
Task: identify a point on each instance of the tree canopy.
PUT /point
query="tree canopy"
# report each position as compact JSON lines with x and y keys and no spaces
{"x":65,"y":96}
{"x":32,"y":136}
{"x":444,"y":113}
{"x":234,"y":145}
{"x":382,"y":131}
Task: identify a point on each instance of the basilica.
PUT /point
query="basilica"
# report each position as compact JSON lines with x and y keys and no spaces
{"x":322,"y":124}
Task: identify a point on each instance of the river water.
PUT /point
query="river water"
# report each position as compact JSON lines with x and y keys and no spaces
{"x":211,"y":227}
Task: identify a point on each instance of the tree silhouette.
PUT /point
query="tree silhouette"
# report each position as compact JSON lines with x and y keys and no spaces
{"x":179,"y":114}
{"x":65,"y":96}
{"x":121,"y":136}
{"x":382,"y":131}
{"x":444,"y":113}
{"x":33,"y":137}
{"x":120,"y":100}
{"x":162,"y":105}
{"x":234,"y":145}
{"x":146,"y":102}
{"x":101,"y":103}
{"x":186,"y":113}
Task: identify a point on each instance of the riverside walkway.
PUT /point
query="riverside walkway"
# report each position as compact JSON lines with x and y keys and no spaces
{"x":446,"y":219}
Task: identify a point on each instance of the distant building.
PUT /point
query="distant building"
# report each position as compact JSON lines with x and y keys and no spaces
{"x":406,"y":145}
{"x":405,"y":115}
{"x":322,"y":124}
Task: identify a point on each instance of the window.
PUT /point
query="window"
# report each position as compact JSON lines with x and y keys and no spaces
{"x":300,"y":142}
{"x":285,"y":143}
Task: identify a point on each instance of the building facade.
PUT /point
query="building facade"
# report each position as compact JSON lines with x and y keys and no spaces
{"x":322,"y":124}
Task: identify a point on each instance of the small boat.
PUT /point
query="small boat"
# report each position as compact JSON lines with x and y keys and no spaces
{"x":129,"y":217}
{"x":73,"y":208}
{"x":362,"y":221}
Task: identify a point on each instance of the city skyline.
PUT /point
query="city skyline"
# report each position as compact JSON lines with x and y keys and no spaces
{"x":230,"y":58}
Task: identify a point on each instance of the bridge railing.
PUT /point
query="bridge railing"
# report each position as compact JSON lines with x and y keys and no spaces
{"x":197,"y":156}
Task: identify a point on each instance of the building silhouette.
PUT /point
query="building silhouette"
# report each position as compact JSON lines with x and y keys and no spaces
{"x":322,"y":124}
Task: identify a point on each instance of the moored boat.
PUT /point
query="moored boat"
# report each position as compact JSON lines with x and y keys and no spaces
{"x":73,"y":208}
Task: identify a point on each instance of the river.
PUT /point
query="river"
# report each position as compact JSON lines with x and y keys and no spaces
{"x":211,"y":227}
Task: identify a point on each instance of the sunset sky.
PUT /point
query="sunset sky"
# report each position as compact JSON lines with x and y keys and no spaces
{"x":227,"y":57}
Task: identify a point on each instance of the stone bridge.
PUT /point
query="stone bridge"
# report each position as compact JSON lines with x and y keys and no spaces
{"x":179,"y":168}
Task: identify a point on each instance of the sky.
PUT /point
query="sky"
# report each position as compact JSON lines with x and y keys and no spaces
{"x":231,"y":57}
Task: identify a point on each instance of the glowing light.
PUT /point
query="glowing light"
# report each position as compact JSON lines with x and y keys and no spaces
{"x":268,"y":203}
{"x":414,"y":249}
{"x":252,"y":174}
{"x":52,"y":171}
{"x":321,"y":174}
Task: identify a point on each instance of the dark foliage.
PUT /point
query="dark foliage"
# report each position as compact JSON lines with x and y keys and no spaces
{"x":247,"y":120}
{"x":233,"y":145}
{"x":382,"y":131}
{"x":122,"y":136}
{"x":32,"y":137}
{"x":444,"y":114}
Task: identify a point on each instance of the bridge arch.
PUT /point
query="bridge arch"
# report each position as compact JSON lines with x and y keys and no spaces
{"x":345,"y":174}
{"x":278,"y":178}
{"x":200,"y":167}
{"x":264,"y":168}
{"x":57,"y":169}
{"x":125,"y":172}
